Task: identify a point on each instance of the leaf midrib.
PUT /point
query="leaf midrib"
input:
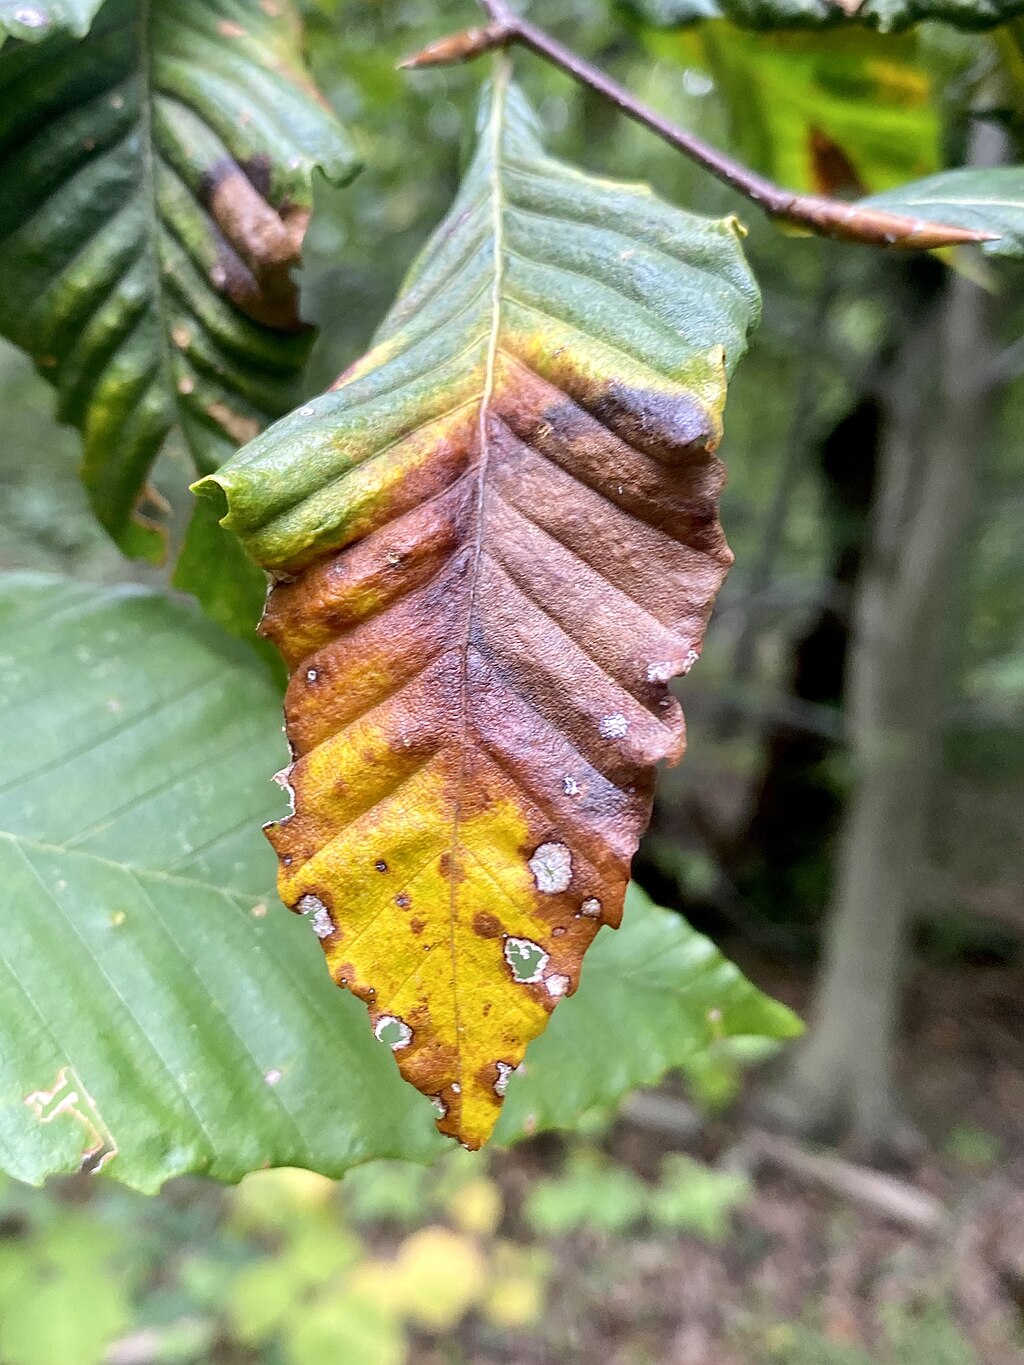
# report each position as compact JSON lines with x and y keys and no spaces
{"x":502,"y":75}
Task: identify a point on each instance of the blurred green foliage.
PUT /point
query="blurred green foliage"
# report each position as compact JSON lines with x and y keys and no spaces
{"x":598,"y":1195}
{"x":295,"y":1266}
{"x":926,"y":1336}
{"x":289,"y":1265}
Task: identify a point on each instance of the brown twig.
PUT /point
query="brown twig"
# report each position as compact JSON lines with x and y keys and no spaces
{"x":815,"y":213}
{"x":890,"y":1198}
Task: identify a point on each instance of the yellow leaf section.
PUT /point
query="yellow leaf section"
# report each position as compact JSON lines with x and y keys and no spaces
{"x":458,"y":955}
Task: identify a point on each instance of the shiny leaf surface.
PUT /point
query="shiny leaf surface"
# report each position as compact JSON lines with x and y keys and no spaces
{"x":156,"y":192}
{"x":498,"y":540}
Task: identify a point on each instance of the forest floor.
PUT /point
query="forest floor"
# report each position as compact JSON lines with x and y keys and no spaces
{"x":660,"y":1237}
{"x":809,"y":1275}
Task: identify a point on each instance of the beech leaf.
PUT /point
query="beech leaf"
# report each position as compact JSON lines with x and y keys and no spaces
{"x":161,"y":1014}
{"x":496,"y":540}
{"x":886,"y":15}
{"x":157,"y":186}
{"x":989,"y":199}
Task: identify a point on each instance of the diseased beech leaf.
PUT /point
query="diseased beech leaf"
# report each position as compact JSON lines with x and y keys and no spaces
{"x":989,"y":200}
{"x":886,"y":15}
{"x":157,"y":185}
{"x":498,"y":539}
{"x":656,"y":994}
{"x":154,"y":998}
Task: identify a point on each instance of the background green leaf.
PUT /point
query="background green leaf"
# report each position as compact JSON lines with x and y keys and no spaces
{"x":148,"y":970}
{"x":144,"y":956}
{"x":34,"y":20}
{"x":866,"y":99}
{"x":157,"y":184}
{"x":990,"y":200}
{"x":885,"y":15}
{"x":652,"y":994}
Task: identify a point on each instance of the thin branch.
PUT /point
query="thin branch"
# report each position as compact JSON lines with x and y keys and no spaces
{"x":825,"y":217}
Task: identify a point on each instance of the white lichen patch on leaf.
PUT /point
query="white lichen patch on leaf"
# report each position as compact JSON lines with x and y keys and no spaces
{"x":319,"y":915}
{"x":551,"y":866}
{"x":557,"y":985}
{"x":591,"y":907}
{"x":393,"y":1031}
{"x":505,"y":1073}
{"x":613,"y":726}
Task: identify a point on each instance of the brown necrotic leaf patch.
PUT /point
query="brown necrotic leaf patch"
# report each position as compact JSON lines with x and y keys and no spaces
{"x":261,"y":244}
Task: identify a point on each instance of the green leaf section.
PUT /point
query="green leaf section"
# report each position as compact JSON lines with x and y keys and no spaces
{"x":34,"y":20}
{"x":154,"y":996}
{"x":157,"y":185}
{"x":885,"y":15}
{"x":653,"y":995}
{"x":820,"y":111}
{"x":162,"y":1013}
{"x":990,"y":200}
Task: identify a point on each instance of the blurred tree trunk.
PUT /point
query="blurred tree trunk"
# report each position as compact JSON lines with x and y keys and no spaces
{"x":781,"y":860}
{"x":934,"y":429}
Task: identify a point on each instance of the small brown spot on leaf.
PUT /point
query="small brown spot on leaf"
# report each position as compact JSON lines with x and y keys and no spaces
{"x":486,"y":925}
